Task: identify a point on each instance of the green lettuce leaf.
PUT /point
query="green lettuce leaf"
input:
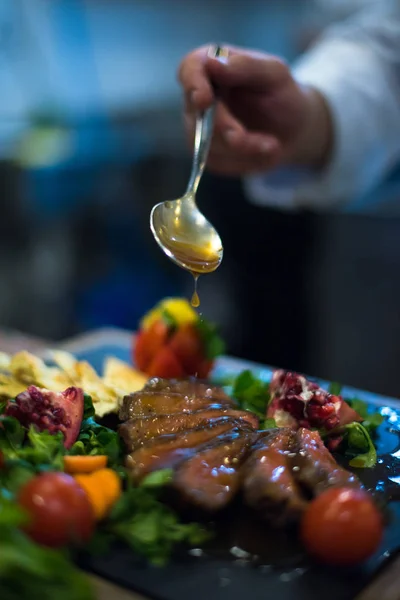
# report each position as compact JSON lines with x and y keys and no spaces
{"x":335,"y":388}
{"x":358,"y":446}
{"x":147,"y":525}
{"x":213,"y":343}
{"x":97,"y":439}
{"x":371,"y":420}
{"x":252,"y":394}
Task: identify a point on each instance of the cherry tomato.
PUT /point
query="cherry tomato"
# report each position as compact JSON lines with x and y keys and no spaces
{"x":342,"y":527}
{"x":204,"y":369}
{"x":165,"y":364}
{"x":59,"y":510}
{"x":148,"y":343}
{"x":188,"y":348}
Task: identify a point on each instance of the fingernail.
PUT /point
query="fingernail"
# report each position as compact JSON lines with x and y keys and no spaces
{"x":223,"y":53}
{"x":223,"y":58}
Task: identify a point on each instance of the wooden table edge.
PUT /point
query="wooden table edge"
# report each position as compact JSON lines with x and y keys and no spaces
{"x":385,"y":585}
{"x":106,"y":590}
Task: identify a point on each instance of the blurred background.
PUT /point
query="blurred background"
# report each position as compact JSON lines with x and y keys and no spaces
{"x":91,"y":137}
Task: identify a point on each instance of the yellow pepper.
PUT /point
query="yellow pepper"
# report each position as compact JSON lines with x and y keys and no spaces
{"x":179,"y":309}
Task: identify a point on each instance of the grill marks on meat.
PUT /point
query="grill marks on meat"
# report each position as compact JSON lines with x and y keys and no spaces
{"x":138,"y":430}
{"x":268,"y":480}
{"x":211,"y":479}
{"x":287,"y":468}
{"x":316,"y":469}
{"x":167,"y":451}
{"x":215,"y":450}
{"x":187,"y":387}
{"x":146,"y":404}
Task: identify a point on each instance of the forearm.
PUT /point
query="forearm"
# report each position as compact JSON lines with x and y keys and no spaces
{"x":313,"y":149}
{"x":357,"y":71}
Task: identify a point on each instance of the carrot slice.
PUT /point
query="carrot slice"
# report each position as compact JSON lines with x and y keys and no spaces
{"x":110,"y":483}
{"x":95,"y":494}
{"x":103,"y":488}
{"x":84,"y":464}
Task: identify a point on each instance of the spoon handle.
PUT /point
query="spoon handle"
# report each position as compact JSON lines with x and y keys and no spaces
{"x":203,"y":136}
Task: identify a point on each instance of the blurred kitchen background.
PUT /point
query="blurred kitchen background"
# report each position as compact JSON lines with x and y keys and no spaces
{"x":91,"y":138}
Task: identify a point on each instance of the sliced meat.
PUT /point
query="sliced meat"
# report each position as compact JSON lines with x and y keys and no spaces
{"x":315,"y":468}
{"x":267,"y":479}
{"x":186,"y":387}
{"x":211,"y":478}
{"x":167,"y":451}
{"x":144,"y":404}
{"x":136,"y":431}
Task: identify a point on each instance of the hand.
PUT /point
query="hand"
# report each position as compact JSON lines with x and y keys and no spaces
{"x":263,"y":117}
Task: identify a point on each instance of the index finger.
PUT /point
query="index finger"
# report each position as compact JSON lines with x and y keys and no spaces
{"x":195,"y":80}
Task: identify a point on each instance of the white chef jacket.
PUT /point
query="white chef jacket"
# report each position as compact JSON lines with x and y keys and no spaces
{"x":356,"y":66}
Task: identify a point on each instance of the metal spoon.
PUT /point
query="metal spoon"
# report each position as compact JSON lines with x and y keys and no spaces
{"x":178,"y":226}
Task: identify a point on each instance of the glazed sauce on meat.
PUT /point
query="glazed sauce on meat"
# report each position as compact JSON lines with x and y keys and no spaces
{"x":240,"y":533}
{"x":242,"y":537}
{"x":197,"y":259}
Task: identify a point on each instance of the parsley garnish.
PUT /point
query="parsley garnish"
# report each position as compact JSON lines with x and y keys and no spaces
{"x":149,"y":526}
{"x":213,"y":343}
{"x":253,"y":394}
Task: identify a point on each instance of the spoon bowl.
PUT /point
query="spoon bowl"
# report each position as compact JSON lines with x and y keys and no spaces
{"x":185,"y":235}
{"x":178,"y":226}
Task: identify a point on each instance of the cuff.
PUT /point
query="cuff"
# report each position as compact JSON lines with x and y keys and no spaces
{"x":366,"y":116}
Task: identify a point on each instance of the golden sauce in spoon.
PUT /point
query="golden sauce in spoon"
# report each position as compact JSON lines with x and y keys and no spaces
{"x":197,"y":259}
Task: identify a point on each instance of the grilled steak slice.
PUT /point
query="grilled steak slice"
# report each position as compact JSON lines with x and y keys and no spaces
{"x":315,"y":469}
{"x":211,"y":478}
{"x":187,"y":387}
{"x":144,"y":404}
{"x":167,"y":451}
{"x":137,"y":431}
{"x":268,"y":483}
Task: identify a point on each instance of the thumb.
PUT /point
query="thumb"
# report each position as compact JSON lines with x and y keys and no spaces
{"x":253,"y":70}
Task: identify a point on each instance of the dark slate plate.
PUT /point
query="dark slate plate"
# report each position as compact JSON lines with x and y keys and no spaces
{"x":282,"y":571}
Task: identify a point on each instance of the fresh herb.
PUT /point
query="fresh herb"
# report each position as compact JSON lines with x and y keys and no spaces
{"x":88,"y":408}
{"x":23,"y":445}
{"x":157,"y":479}
{"x":27,"y":452}
{"x":28,"y":570}
{"x":96,"y":439}
{"x":360,"y":446}
{"x":269,"y":423}
{"x":371,"y":420}
{"x":213,"y":343}
{"x":147,"y":525}
{"x":356,"y":445}
{"x":252,"y":393}
{"x":12,"y":436}
{"x":334,"y":388}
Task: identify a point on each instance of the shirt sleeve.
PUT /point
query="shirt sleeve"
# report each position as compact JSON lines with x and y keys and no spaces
{"x":356,"y":66}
